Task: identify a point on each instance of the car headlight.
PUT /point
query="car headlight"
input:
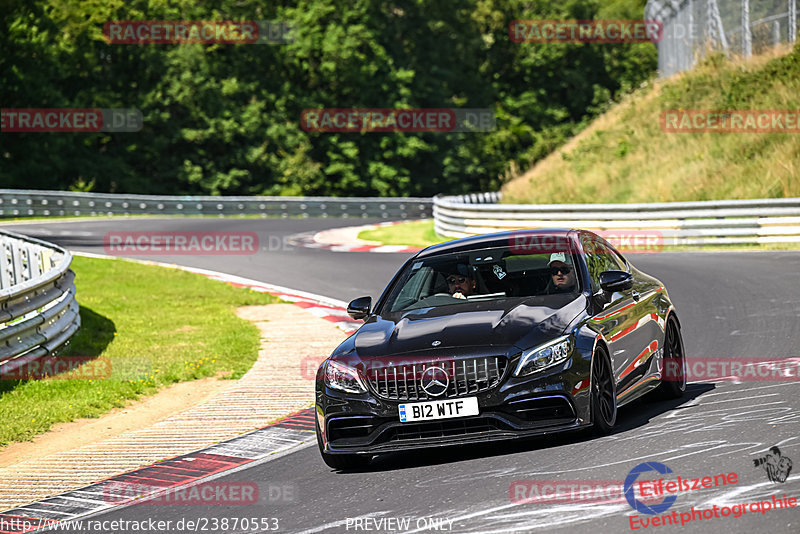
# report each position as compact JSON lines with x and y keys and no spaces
{"x":544,"y":356}
{"x":343,"y":377}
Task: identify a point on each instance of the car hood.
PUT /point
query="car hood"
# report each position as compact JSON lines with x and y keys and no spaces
{"x":504,"y":325}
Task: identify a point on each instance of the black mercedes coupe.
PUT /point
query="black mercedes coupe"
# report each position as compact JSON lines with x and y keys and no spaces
{"x":498,"y":336}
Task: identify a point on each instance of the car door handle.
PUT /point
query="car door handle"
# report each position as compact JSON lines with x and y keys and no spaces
{"x":635,"y":295}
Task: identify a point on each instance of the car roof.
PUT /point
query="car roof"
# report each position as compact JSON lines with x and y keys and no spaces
{"x":497,"y":239}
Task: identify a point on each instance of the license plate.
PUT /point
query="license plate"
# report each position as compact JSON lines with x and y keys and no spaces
{"x":443,"y":409}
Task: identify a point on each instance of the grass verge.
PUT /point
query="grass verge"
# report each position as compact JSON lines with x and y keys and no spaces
{"x":625,"y":156}
{"x":412,"y":234}
{"x":156,"y":326}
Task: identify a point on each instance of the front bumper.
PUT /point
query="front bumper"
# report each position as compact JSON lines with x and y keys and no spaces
{"x":517,"y":408}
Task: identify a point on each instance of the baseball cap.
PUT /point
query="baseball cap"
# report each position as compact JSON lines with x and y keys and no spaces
{"x":559,"y":256}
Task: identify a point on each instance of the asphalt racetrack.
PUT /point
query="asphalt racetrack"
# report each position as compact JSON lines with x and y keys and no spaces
{"x":732,"y":304}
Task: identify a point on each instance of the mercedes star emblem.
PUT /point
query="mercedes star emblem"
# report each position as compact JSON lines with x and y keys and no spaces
{"x":434,"y":381}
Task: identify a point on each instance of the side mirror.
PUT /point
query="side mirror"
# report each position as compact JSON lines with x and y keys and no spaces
{"x":359,"y":308}
{"x":613,"y":281}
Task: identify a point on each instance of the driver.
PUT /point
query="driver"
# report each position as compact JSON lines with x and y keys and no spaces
{"x":460,"y":282}
{"x":562,"y":273}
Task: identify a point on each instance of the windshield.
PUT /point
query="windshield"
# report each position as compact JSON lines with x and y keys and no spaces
{"x":482,"y":275}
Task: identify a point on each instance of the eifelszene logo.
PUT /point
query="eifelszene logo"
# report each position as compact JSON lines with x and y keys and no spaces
{"x":652,"y":490}
{"x":630,"y":496}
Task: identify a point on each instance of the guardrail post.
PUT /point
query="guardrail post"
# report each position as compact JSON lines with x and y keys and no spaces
{"x":747,"y":35}
{"x":6,"y":263}
{"x":16,"y":261}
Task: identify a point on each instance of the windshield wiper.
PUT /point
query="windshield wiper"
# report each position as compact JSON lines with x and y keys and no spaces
{"x":486,"y":296}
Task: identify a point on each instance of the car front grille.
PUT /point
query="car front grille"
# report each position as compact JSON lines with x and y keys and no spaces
{"x":444,"y":429}
{"x":465,"y":377}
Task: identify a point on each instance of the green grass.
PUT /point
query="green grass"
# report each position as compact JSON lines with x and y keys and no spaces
{"x":156,"y":325}
{"x":412,"y":234}
{"x":421,"y":234}
{"x":624,"y":156}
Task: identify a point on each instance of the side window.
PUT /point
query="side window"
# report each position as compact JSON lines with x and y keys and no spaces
{"x":617,"y":258}
{"x":593,"y":262}
{"x":600,"y":258}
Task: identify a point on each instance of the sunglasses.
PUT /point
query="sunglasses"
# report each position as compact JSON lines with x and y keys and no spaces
{"x":556,"y":270}
{"x":456,"y":279}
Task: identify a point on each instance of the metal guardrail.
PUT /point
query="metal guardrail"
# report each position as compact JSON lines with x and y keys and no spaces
{"x":673,"y":223}
{"x":38,"y":310}
{"x":27,"y":203}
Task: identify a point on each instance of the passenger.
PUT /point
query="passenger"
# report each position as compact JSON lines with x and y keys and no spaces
{"x":562,"y":274}
{"x":460,"y":282}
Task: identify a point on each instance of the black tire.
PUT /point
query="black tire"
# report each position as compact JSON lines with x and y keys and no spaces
{"x":604,"y":394}
{"x":341,"y":462}
{"x":673,"y":381}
